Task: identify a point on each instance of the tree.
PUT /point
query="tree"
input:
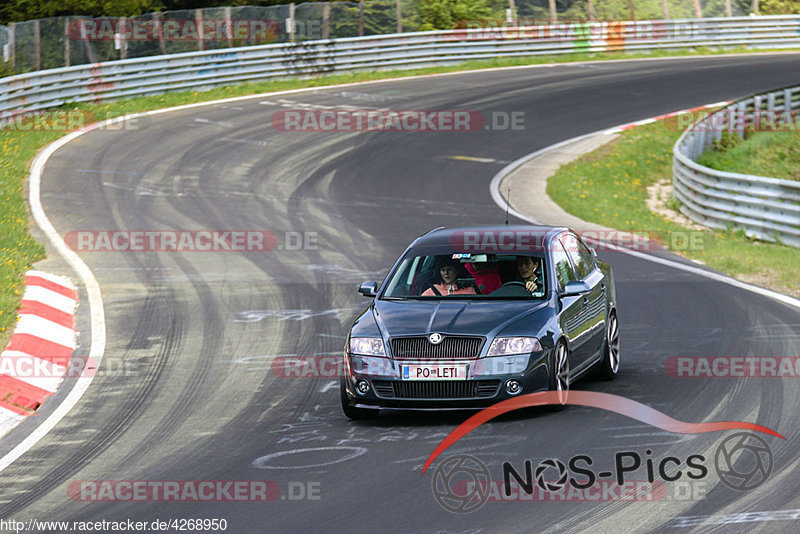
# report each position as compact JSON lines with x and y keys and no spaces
{"x":449,"y":14}
{"x":779,"y":7}
{"x":22,"y":10}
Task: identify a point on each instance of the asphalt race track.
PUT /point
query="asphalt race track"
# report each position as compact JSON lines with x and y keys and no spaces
{"x":189,"y":391}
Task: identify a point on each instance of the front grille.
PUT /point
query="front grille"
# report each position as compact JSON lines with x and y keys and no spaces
{"x":487,"y":388}
{"x":451,"y":347}
{"x":383,"y":389}
{"x":444,"y":389}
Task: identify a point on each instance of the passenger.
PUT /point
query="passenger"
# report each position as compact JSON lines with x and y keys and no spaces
{"x":448,"y":285}
{"x":530,"y":271}
{"x":486,"y":276}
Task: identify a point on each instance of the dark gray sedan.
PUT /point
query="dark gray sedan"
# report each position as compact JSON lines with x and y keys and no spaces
{"x":471,"y":316}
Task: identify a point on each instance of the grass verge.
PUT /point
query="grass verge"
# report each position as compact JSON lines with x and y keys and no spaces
{"x":610,"y":187}
{"x":775,"y":154}
{"x":18,"y":251}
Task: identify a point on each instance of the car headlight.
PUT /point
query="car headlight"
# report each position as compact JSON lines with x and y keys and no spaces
{"x":502,"y":346}
{"x":369,"y":346}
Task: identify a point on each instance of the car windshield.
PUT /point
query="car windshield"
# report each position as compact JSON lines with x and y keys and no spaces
{"x":468,"y":276}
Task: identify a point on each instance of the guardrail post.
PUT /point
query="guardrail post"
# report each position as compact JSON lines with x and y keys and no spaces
{"x":228,"y":27}
{"x":37,"y":45}
{"x":743,"y":111}
{"x":198,"y":24}
{"x":361,"y":18}
{"x":398,"y":11}
{"x":160,"y":31}
{"x":66,"y":42}
{"x":326,"y":20}
{"x":787,"y":100}
{"x":87,"y":48}
{"x":12,"y":52}
{"x":291,"y":22}
{"x":123,"y":41}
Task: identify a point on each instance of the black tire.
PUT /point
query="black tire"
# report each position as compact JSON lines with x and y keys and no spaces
{"x":356,"y":414}
{"x":559,"y":375}
{"x":609,"y":365}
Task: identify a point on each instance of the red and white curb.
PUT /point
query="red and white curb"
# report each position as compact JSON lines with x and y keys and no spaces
{"x":622,"y":128}
{"x":38,"y":355}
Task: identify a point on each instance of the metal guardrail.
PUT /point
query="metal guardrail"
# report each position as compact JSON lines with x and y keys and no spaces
{"x":765,"y":208}
{"x":203,"y":70}
{"x":64,"y":41}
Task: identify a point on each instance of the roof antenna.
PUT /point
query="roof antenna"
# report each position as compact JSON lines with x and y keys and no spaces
{"x":508,"y":203}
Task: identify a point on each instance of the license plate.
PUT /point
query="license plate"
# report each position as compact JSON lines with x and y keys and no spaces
{"x":435,"y":372}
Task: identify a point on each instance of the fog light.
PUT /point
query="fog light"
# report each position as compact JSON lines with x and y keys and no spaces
{"x":362,"y":387}
{"x":513,"y":387}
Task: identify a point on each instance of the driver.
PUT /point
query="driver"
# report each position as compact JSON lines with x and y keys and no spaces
{"x":530,"y":272}
{"x":448,"y":286}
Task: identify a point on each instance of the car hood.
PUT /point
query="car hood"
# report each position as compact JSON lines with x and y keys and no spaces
{"x":466,"y":317}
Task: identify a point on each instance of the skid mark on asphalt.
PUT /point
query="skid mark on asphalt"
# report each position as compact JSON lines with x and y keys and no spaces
{"x":743,"y":517}
{"x":169,"y":191}
{"x":329,"y":386}
{"x":265,"y":361}
{"x":284,"y":103}
{"x":316,"y":428}
{"x":215,"y":123}
{"x":344,"y":453}
{"x":365,"y":97}
{"x":344,"y":273}
{"x":254,"y":316}
{"x":622,"y":436}
{"x":109,"y":171}
{"x":477,"y":160}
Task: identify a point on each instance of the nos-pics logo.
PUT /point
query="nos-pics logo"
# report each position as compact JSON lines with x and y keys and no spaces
{"x":742,"y":461}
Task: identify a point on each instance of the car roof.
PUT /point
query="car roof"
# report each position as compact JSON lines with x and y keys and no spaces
{"x":443,"y":236}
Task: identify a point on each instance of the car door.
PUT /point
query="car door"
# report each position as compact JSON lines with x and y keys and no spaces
{"x":594,"y":312}
{"x":571,"y":316}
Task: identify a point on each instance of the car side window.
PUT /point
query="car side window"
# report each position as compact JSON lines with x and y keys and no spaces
{"x":564,"y":271}
{"x":582,"y":266}
{"x":587,"y":255}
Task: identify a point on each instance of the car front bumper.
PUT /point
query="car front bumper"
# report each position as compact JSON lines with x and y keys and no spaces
{"x":485,"y":383}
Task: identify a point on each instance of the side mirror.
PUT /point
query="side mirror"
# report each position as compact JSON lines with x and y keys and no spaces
{"x":577,"y":287}
{"x":368,"y":289}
